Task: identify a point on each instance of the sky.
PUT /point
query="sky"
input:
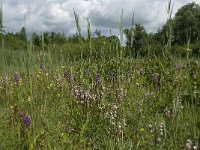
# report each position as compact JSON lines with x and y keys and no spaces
{"x":58,"y":15}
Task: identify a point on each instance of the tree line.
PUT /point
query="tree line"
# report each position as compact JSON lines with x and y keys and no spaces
{"x":185,"y":34}
{"x":184,"y":27}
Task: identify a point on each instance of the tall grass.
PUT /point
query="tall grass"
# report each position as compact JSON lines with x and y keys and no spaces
{"x":1,"y":26}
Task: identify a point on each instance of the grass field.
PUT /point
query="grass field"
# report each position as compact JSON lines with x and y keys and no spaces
{"x":120,"y":103}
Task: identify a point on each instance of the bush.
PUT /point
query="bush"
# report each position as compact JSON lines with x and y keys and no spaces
{"x":179,"y":51}
{"x":195,"y":49}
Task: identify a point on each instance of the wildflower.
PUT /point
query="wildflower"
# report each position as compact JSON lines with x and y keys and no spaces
{"x":189,"y":144}
{"x":98,"y":78}
{"x":120,"y":94}
{"x":156,"y":81}
{"x":151,"y":128}
{"x":27,"y":120}
{"x":158,"y":139}
{"x":16,"y":78}
{"x":42,"y":67}
{"x":110,"y":76}
{"x":168,"y":112}
{"x":68,"y":76}
{"x":65,"y":74}
{"x":161,"y":129}
{"x":177,"y":67}
{"x":155,"y":78}
{"x":195,"y":147}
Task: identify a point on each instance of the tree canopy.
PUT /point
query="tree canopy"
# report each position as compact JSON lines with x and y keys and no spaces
{"x":187,"y":24}
{"x":136,"y":38}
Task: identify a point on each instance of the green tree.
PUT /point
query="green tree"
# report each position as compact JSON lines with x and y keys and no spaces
{"x":76,"y":38}
{"x":46,"y":38}
{"x":22,"y":34}
{"x":139,"y":40}
{"x":58,"y":38}
{"x":97,"y":33}
{"x":13,"y":42}
{"x":187,"y":24}
{"x":162,"y":34}
{"x":36,"y":39}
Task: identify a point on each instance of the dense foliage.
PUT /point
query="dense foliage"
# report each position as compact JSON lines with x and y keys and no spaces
{"x":185,"y":31}
{"x":187,"y":24}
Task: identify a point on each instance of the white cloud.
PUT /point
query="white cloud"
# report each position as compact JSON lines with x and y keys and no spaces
{"x":57,"y":15}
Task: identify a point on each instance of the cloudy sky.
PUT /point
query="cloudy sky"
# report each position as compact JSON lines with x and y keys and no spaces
{"x":57,"y":15}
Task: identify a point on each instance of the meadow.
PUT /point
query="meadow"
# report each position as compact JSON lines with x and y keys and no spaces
{"x":98,"y":97}
{"x":118,"y":103}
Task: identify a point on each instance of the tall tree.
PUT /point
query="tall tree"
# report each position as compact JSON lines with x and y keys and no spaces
{"x":46,"y":38}
{"x":97,"y":33}
{"x":36,"y":39}
{"x":22,"y":33}
{"x":139,"y":39}
{"x":187,"y":24}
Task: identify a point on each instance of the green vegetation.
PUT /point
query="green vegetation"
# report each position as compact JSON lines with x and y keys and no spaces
{"x":59,"y":92}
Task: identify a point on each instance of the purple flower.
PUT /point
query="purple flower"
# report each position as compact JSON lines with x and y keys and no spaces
{"x":27,"y":120}
{"x":98,"y":78}
{"x":155,"y":78}
{"x":110,"y":76}
{"x":193,"y":73}
{"x":16,"y":78}
{"x":177,"y":67}
{"x":156,"y":81}
{"x":65,"y":74}
{"x":68,"y":76}
{"x":42,"y":67}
